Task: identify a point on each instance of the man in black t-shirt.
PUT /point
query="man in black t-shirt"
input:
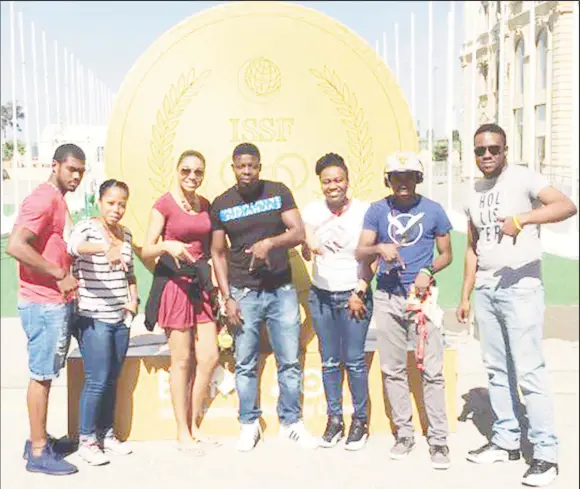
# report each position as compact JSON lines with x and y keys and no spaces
{"x":262,"y":222}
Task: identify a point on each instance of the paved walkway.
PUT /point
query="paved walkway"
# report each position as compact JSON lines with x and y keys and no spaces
{"x":281,"y":465}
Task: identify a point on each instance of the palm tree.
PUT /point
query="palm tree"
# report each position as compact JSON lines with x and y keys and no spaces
{"x":7,"y":116}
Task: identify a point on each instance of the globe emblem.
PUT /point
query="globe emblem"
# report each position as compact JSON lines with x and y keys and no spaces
{"x":263,"y":77}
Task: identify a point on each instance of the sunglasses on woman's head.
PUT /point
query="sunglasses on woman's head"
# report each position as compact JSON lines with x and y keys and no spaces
{"x":185,"y":172}
{"x":494,"y":150}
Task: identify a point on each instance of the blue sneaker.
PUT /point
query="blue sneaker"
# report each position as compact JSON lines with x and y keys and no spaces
{"x":50,"y":440}
{"x":48,"y":463}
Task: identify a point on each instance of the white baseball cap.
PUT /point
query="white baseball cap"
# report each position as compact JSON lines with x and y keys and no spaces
{"x":403,"y":162}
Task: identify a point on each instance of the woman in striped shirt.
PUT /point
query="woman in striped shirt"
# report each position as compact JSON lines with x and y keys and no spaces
{"x":107,"y":301}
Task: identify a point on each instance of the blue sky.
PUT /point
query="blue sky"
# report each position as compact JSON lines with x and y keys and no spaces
{"x":109,"y":37}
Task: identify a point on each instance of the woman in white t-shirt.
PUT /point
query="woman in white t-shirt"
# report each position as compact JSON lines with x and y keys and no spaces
{"x":340,"y":302}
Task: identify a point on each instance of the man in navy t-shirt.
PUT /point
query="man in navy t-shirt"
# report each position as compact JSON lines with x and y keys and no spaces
{"x":401,"y":231}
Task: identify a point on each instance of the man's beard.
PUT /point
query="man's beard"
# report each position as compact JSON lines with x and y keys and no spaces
{"x":251,"y":190}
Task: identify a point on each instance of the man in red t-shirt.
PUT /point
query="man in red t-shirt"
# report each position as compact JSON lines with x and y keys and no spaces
{"x":47,"y":291}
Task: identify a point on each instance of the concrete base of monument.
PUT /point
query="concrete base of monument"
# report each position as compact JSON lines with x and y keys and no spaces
{"x":144,"y":410}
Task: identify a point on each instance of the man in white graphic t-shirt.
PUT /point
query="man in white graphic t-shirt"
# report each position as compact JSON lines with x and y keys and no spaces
{"x":503,"y":263}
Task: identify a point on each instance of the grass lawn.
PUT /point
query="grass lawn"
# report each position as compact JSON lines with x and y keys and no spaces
{"x":560,"y":278}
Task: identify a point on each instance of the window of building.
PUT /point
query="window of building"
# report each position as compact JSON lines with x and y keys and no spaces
{"x":540,"y":135}
{"x":542,"y":60}
{"x":518,"y":134}
{"x":519,"y":68}
{"x":484,"y":73}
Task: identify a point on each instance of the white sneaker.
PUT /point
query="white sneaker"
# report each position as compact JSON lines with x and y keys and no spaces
{"x":540,"y":473}
{"x":91,"y":453}
{"x":298,"y":432}
{"x":113,"y":445}
{"x":249,"y":436}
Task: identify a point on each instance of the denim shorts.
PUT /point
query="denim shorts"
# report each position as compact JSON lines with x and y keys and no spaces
{"x":47,"y":331}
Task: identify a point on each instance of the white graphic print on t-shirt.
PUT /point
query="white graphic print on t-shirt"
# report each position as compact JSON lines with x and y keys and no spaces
{"x":336,"y":269}
{"x":333,"y":236}
{"x":489,"y":204}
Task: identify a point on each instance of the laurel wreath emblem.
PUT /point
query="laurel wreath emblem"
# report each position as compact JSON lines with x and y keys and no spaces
{"x":166,"y":122}
{"x":360,"y":144}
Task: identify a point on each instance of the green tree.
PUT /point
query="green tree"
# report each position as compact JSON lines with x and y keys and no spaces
{"x":7,"y":116}
{"x":8,"y":149}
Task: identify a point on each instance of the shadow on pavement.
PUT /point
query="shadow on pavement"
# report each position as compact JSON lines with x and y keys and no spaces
{"x":477,"y":408}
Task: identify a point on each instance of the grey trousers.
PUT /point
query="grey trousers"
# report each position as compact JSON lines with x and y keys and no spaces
{"x":394,"y":333}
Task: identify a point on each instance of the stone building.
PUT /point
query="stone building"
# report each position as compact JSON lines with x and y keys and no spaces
{"x":532,"y":98}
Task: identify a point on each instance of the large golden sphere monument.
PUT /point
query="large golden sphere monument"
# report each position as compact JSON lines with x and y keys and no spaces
{"x":296,"y":83}
{"x":293,"y":81}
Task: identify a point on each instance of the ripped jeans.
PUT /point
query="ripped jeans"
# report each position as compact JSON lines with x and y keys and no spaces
{"x":342,"y":343}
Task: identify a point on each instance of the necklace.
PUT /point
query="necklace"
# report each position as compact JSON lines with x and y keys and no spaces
{"x":188,"y":206}
{"x":68,"y":225}
{"x":342,"y":210}
{"x":111,"y":234}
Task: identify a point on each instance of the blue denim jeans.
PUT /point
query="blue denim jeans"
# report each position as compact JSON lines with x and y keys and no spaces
{"x":280,"y":310}
{"x":48,"y":334}
{"x":103,"y":348}
{"x":511,"y":323}
{"x":342,"y":343}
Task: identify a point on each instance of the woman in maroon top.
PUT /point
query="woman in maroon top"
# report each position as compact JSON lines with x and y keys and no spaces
{"x":180,"y":226}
